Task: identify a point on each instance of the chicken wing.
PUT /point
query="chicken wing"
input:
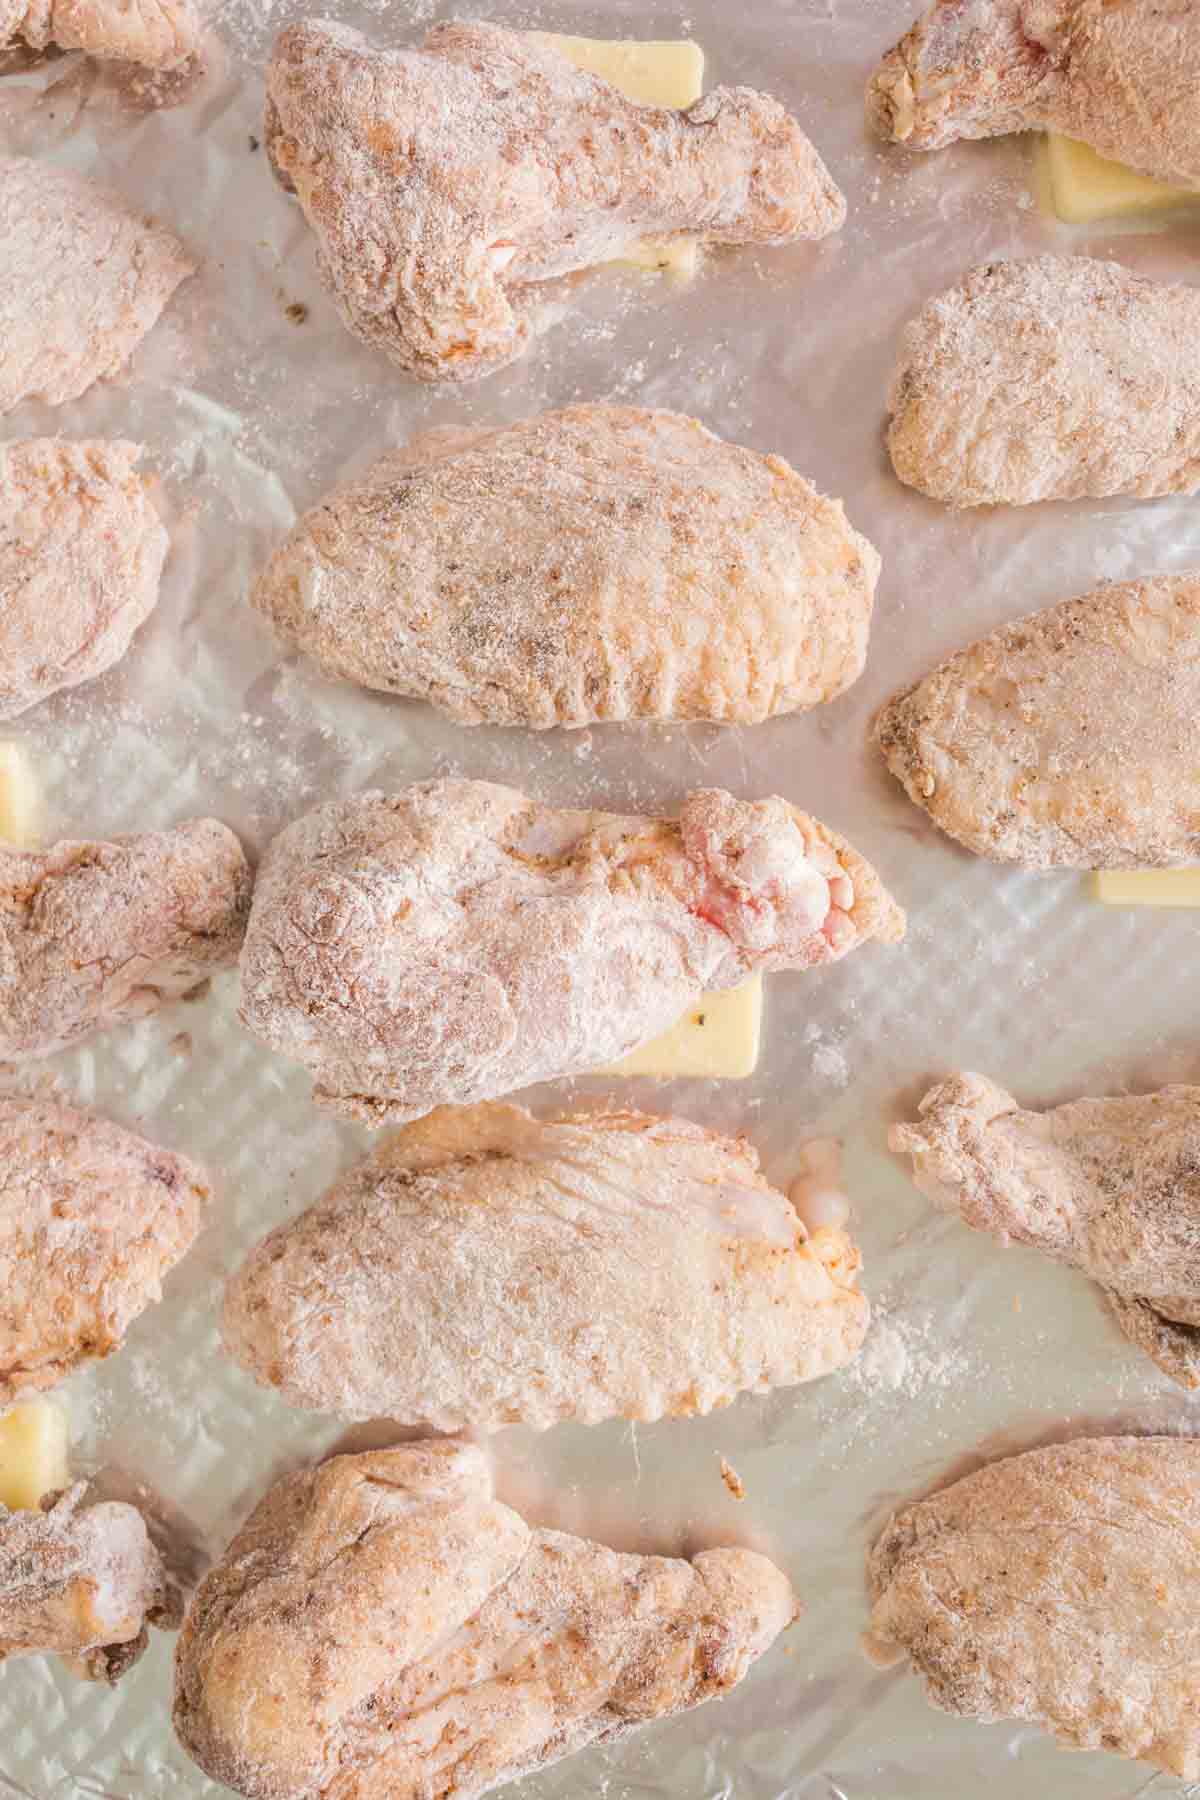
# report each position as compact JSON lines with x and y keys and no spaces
{"x":458,"y":940}
{"x":445,"y":184}
{"x":1122,"y":78}
{"x":1060,"y":1587}
{"x":95,"y":933}
{"x":383,"y":1627}
{"x":1110,"y":1186}
{"x":91,"y":1219}
{"x":83,"y":278}
{"x":156,"y":34}
{"x":600,"y":563}
{"x":81,"y":553}
{"x":614,"y":1265}
{"x":1067,"y":739}
{"x":1057,"y":378}
{"x":83,"y":1579}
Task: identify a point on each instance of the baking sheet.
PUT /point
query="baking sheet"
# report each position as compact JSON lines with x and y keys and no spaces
{"x":249,"y":416}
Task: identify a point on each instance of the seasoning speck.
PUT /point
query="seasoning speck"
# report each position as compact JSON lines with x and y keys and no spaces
{"x":297,"y":312}
{"x":733,"y":1480}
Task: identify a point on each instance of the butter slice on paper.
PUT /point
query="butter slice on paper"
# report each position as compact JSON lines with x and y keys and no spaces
{"x":1085,"y":186}
{"x":652,"y":74}
{"x":33,"y":1453}
{"x":18,"y":797}
{"x":1147,"y":887}
{"x":718,"y":1035}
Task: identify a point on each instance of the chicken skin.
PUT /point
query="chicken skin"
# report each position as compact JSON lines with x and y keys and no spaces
{"x":81,"y":553}
{"x":1057,"y":378}
{"x":544,"y":1223}
{"x":1121,"y":77}
{"x":1067,"y":739}
{"x":382,"y":1628}
{"x":1059,"y":1587}
{"x":82,"y":1578}
{"x":95,"y":933}
{"x":83,"y":278}
{"x":91,"y":1219}
{"x":155,"y":34}
{"x":446,"y":184}
{"x":457,"y":940}
{"x":1110,"y":1186}
{"x":600,"y":563}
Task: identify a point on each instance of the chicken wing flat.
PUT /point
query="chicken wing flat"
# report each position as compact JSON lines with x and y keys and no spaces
{"x":600,"y":563}
{"x":91,"y":1219}
{"x":1057,"y":378}
{"x":445,"y":184}
{"x":1060,"y":1587}
{"x":612,"y":1265}
{"x":1110,"y":1186}
{"x":83,"y":1579}
{"x":1121,"y":77}
{"x":81,"y":553}
{"x":457,"y":940}
{"x":83,"y":278}
{"x":95,"y":933}
{"x":383,"y":1627}
{"x":155,"y":34}
{"x":1067,"y":739}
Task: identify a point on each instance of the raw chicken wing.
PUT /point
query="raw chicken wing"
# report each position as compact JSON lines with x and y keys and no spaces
{"x":1110,"y":1186}
{"x":1058,"y":378}
{"x":445,"y":184}
{"x":606,"y":1265}
{"x":91,"y":1219}
{"x":1067,"y":739}
{"x":600,"y":563}
{"x":458,"y":940}
{"x":82,"y":1578}
{"x":83,"y":278}
{"x":1121,"y":77}
{"x":382,"y":1628}
{"x":95,"y":933}
{"x":1060,"y":1587}
{"x":81,"y":552}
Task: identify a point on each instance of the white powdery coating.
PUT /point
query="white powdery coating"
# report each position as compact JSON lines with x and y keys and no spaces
{"x":83,"y":278}
{"x":1067,"y":739}
{"x":457,"y":940}
{"x":1060,"y":1587}
{"x":91,"y":1218}
{"x":382,"y":1626}
{"x":446,"y":184}
{"x":1122,"y":78}
{"x":96,"y":933}
{"x":82,"y":1580}
{"x":599,"y":563}
{"x":1111,"y":1186}
{"x":157,"y":34}
{"x":1056,"y":378}
{"x":81,"y":553}
{"x":476,"y":1272}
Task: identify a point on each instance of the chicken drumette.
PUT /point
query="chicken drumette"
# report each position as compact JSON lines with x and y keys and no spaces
{"x":158,"y":35}
{"x":1121,"y":77}
{"x":446,"y":184}
{"x":457,"y":940}
{"x":383,"y":1629}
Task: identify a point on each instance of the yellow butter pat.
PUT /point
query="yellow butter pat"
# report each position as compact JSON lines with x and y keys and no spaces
{"x":1085,"y":186}
{"x":34,"y":1456}
{"x":652,"y":74}
{"x":718,"y":1036}
{"x":1147,"y":887}
{"x":18,"y":797}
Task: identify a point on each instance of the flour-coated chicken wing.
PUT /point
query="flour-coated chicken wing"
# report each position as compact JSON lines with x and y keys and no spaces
{"x":155,"y":34}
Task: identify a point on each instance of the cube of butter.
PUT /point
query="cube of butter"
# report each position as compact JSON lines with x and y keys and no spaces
{"x":33,"y":1453}
{"x":718,"y":1036}
{"x":18,"y":797}
{"x":1147,"y":887}
{"x":671,"y":74}
{"x":1085,"y":186}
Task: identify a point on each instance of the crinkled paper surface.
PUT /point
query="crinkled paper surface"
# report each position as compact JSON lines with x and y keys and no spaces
{"x":248,"y":415}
